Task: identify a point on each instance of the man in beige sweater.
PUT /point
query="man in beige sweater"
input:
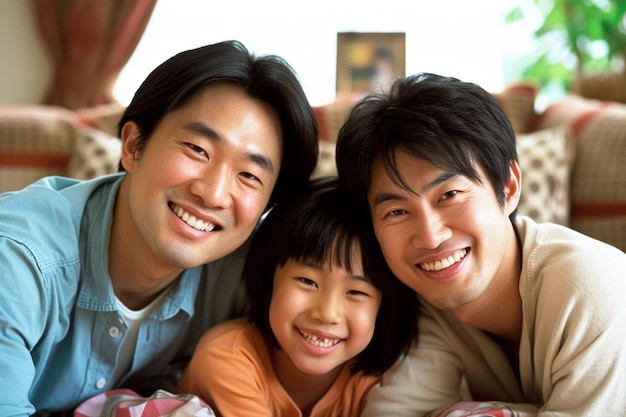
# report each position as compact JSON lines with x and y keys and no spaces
{"x":530,"y":315}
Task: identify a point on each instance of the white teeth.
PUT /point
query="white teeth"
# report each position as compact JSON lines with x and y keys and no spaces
{"x":445,"y":262}
{"x":319,"y":342}
{"x":191,"y":220}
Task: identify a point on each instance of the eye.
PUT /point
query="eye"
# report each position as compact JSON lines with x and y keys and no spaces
{"x":306,"y":281}
{"x":357,"y":293}
{"x":395,"y":213}
{"x":450,"y":194}
{"x":251,"y":177}
{"x":196,"y":148}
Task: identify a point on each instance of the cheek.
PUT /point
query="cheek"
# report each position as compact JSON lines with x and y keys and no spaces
{"x":364,"y":319}
{"x":283,"y":309}
{"x":392,"y":242}
{"x":250,"y":205}
{"x":481,"y":218}
{"x":274,"y":314}
{"x":282,"y":302}
{"x":166,"y":169}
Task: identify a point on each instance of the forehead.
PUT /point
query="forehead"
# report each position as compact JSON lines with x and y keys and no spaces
{"x":223,"y":99}
{"x":338,"y":250}
{"x":401,"y":170}
{"x":407,"y":175}
{"x":230,"y":113}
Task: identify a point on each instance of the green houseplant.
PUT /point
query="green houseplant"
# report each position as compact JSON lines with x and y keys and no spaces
{"x":582,"y":45}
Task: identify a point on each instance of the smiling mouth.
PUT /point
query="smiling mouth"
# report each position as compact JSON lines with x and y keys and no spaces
{"x":192,"y":221}
{"x":322,"y":342}
{"x":445,"y":262}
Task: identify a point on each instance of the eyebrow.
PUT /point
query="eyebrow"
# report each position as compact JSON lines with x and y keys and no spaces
{"x":439,"y":179}
{"x":205,"y":131}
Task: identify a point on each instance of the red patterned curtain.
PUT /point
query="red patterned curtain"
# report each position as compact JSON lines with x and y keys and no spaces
{"x":90,"y":41}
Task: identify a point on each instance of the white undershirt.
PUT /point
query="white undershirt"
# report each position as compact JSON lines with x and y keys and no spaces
{"x":133,"y":319}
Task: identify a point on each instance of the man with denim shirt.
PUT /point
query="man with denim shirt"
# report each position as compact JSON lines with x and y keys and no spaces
{"x":110,"y":282}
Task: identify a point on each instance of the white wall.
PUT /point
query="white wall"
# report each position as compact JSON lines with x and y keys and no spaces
{"x":462,"y":38}
{"x":25,"y":67}
{"x":465,"y":39}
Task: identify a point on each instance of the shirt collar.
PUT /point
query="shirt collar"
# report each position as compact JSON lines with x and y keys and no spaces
{"x":96,"y":290}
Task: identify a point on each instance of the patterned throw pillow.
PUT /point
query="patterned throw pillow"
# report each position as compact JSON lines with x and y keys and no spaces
{"x":546,"y":158}
{"x":95,"y":153}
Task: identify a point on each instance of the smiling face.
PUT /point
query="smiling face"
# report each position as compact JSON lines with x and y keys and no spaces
{"x":197,"y":189}
{"x":450,"y":241}
{"x":321,"y":316}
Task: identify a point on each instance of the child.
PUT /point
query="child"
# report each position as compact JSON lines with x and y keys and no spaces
{"x":327,"y":316}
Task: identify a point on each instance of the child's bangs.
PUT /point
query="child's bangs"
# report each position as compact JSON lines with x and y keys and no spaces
{"x":336,"y":246}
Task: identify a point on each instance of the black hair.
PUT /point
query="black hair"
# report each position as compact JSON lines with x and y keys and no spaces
{"x":321,"y":225}
{"x":451,"y":124}
{"x":267,"y":78}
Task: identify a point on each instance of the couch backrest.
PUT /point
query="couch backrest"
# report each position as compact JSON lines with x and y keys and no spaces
{"x":37,"y":141}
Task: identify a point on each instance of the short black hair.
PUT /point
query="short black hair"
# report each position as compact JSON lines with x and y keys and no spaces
{"x":267,"y":78}
{"x":321,"y":225}
{"x":450,"y":123}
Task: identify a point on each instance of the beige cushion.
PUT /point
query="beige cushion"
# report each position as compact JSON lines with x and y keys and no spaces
{"x":330,"y":117}
{"x":599,"y":177}
{"x":104,"y":117}
{"x":326,"y":162}
{"x":572,"y":111}
{"x":598,"y":182}
{"x":518,"y":102}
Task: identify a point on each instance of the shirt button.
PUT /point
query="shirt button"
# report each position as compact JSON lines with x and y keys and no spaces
{"x":100,"y":383}
{"x":114,"y":331}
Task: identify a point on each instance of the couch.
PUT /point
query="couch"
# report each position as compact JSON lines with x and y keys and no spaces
{"x":572,"y":153}
{"x":38,"y":140}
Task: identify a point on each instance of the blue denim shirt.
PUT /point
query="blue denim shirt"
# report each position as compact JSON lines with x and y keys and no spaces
{"x":60,"y":329}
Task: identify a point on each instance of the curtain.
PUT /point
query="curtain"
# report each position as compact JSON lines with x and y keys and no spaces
{"x":89,"y":41}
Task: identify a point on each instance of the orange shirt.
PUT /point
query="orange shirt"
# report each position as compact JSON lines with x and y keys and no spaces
{"x":232,"y":371}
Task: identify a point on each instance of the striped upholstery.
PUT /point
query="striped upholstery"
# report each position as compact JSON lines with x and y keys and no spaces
{"x":598,"y":181}
{"x":34,"y":141}
{"x":37,"y":141}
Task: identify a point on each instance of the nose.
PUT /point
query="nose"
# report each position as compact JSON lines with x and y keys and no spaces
{"x":327,"y":308}
{"x":430,"y":229}
{"x":215,"y":186}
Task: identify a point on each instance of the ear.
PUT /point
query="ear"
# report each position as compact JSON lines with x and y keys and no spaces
{"x":512,"y":188}
{"x":129,"y":135}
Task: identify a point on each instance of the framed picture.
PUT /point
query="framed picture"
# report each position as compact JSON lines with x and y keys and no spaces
{"x":369,"y":62}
